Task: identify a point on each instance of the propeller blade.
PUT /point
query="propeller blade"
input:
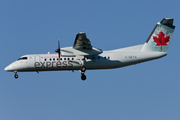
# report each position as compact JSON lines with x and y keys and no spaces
{"x":58,"y":45}
{"x":58,"y":50}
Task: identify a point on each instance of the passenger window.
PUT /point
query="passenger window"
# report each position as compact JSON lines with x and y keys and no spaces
{"x":54,"y":59}
{"x":98,"y":57}
{"x":60,"y":58}
{"x":64,"y":58}
{"x":72,"y":58}
{"x":104,"y":57}
{"x":44,"y":59}
{"x":68,"y":58}
{"x":50,"y":59}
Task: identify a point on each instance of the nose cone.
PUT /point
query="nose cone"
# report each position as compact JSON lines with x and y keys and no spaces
{"x":6,"y":69}
{"x":9,"y":67}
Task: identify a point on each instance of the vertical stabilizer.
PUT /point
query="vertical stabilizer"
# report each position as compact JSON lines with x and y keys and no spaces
{"x":159,"y":39}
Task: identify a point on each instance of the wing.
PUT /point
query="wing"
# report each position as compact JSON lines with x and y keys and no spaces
{"x":82,"y":42}
{"x":82,"y":46}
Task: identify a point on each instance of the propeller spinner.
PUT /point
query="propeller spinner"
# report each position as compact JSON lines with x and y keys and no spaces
{"x":58,"y":50}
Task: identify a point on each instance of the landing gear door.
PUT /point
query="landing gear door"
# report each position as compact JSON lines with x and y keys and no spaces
{"x":37,"y":61}
{"x":91,"y":59}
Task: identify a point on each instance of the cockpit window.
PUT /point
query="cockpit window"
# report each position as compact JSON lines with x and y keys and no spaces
{"x":22,"y":58}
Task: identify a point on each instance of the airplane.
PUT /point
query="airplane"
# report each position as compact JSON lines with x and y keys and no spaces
{"x":83,"y":56}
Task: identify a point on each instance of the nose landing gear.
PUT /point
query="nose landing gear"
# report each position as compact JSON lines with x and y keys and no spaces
{"x":15,"y":75}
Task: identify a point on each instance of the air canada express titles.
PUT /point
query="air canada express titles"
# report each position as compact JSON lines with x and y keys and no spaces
{"x":53,"y":64}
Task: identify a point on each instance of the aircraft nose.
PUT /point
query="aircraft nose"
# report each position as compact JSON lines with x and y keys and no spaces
{"x":6,"y":68}
{"x":9,"y":68}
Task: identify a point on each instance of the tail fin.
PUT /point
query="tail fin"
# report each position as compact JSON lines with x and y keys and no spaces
{"x":159,"y":39}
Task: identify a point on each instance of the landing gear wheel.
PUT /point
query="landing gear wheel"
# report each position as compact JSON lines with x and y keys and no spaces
{"x":83,"y":77}
{"x":16,"y":76}
{"x":83,"y":69}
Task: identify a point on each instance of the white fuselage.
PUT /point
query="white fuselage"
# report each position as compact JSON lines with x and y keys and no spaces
{"x":83,"y":56}
{"x":106,"y":60}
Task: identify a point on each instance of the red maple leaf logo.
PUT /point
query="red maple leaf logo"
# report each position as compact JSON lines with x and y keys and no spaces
{"x":161,"y":40}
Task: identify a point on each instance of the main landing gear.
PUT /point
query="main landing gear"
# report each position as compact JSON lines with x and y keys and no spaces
{"x":15,"y":75}
{"x":82,"y":70}
{"x":83,"y":77}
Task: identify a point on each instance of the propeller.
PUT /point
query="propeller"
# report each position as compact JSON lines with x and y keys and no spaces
{"x":58,"y":50}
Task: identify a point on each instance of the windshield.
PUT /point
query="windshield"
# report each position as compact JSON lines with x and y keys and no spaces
{"x":22,"y":58}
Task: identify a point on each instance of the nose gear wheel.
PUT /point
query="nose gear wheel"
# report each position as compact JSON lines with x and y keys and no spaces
{"x":15,"y":75}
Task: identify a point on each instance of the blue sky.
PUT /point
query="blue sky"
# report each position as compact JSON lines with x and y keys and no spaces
{"x":147,"y":91}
